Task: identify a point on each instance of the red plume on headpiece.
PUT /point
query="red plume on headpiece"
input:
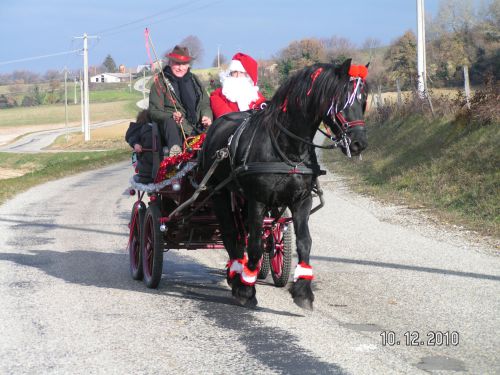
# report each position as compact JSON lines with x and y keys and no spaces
{"x":360,"y":71}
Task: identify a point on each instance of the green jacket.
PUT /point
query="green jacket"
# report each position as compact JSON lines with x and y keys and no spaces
{"x":161,"y":106}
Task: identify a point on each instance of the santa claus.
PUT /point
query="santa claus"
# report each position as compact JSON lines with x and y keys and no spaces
{"x":239,"y":91}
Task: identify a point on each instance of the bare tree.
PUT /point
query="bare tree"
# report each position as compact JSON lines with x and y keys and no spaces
{"x":299,"y":54}
{"x":456,"y":15}
{"x":193,"y":43}
{"x":221,"y":59}
{"x":25,"y":76}
{"x":338,"y":49}
{"x":51,"y":75}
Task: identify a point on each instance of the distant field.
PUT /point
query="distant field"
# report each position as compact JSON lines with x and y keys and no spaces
{"x":118,"y":91}
{"x":54,"y":114}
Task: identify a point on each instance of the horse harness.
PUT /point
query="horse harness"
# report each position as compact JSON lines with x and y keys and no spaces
{"x":286,"y":166}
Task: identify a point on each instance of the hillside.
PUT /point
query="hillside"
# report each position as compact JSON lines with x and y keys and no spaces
{"x":448,"y":165}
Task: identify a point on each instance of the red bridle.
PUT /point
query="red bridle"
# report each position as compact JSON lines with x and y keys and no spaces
{"x":348,"y":124}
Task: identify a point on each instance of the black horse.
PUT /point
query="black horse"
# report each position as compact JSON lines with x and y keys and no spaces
{"x":272,"y":164}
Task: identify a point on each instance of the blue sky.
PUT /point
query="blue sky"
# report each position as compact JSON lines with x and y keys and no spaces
{"x":30,"y":28}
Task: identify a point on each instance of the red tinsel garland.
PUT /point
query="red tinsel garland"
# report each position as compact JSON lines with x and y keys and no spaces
{"x":167,"y":166}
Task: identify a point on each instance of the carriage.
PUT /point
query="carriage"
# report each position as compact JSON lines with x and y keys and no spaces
{"x":179,"y":215}
{"x":243,"y":183}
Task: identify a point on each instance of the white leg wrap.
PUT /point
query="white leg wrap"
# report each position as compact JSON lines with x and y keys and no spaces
{"x":303,"y":271}
{"x":248,"y":277}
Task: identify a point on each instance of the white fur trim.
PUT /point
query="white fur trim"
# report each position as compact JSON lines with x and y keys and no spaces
{"x":236,"y":66}
{"x":248,"y":279}
{"x":302,"y":273}
{"x":236,"y":266}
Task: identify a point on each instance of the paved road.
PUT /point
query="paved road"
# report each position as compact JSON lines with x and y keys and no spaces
{"x":70,"y":306}
{"x":37,"y":141}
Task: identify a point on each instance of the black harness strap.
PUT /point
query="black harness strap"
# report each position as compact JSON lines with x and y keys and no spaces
{"x":277,"y":168}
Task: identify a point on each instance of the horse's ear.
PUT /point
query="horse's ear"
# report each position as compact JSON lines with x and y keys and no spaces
{"x":367,"y":65}
{"x":344,"y":68}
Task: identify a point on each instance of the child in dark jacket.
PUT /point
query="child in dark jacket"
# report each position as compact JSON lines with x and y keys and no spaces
{"x":139,"y":137}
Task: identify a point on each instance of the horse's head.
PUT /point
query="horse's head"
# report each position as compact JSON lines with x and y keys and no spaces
{"x":346,"y":117}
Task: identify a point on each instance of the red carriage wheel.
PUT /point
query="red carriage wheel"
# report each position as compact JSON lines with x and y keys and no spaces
{"x":134,"y":243}
{"x":281,"y":253}
{"x":152,"y":247}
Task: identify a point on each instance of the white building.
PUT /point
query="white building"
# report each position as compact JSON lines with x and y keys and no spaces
{"x":110,"y":78}
{"x":140,"y":68}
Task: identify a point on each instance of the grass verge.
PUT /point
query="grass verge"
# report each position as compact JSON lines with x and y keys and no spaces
{"x":45,"y":167}
{"x":442,"y":165}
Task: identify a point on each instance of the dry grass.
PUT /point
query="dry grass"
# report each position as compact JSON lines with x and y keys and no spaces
{"x":392,"y":96}
{"x":13,"y":172}
{"x":108,"y":138}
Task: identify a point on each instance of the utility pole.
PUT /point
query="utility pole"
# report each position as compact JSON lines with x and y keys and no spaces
{"x":421,"y":66}
{"x":74,"y":97}
{"x":86,"y":88}
{"x":81,"y":103}
{"x":218,"y":57}
{"x":66,"y":102}
{"x":86,"y":111}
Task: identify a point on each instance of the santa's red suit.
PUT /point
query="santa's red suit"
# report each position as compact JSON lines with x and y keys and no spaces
{"x":237,"y":94}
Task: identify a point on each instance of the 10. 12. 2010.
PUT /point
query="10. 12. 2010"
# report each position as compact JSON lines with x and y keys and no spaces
{"x":415,"y":338}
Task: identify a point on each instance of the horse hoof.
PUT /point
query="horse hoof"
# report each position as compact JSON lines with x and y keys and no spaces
{"x":304,"y":303}
{"x":245,"y":302}
{"x":302,"y":294}
{"x":243,"y":294}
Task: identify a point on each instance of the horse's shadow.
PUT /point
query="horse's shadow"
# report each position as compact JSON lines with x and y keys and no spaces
{"x":182,"y":278}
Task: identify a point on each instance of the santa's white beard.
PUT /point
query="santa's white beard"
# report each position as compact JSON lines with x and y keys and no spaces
{"x":240,"y":90}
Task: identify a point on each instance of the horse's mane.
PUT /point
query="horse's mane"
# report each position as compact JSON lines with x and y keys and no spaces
{"x":306,"y":95}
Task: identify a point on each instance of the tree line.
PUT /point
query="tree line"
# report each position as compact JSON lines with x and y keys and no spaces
{"x":460,"y":34}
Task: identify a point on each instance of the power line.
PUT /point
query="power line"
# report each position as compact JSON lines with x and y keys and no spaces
{"x":174,"y":8}
{"x":39,"y":57}
{"x":111,"y":32}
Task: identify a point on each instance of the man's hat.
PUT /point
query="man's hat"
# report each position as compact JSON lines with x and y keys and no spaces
{"x":179,"y":54}
{"x":244,"y":63}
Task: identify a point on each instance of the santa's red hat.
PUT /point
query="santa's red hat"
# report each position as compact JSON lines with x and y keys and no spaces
{"x":244,"y":63}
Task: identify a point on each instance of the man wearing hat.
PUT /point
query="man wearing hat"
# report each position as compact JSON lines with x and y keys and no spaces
{"x":239,"y":91}
{"x":179,"y":101}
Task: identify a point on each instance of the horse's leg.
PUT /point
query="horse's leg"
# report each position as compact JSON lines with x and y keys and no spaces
{"x":227,"y":226}
{"x":301,"y":289}
{"x":244,"y":287}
